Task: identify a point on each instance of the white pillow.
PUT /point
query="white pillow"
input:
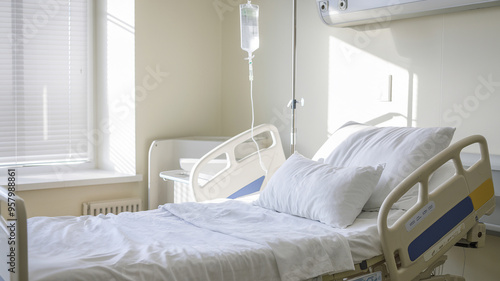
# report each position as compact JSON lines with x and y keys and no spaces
{"x":337,"y":138}
{"x":317,"y":191}
{"x":402,"y":149}
{"x":441,"y":175}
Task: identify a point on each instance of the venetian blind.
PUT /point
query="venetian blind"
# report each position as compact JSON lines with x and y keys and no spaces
{"x":43,"y":82}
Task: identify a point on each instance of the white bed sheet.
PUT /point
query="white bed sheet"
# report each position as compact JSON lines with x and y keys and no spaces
{"x":302,"y":248}
{"x":363,"y":237}
{"x":138,"y":246}
{"x":158,"y":245}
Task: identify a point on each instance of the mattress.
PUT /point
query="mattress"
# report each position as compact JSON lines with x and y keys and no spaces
{"x":231,"y":240}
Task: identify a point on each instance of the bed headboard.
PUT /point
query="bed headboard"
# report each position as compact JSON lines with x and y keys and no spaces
{"x":238,"y":151}
{"x":244,"y":169}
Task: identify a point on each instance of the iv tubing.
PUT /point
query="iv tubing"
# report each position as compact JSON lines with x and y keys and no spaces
{"x":250,"y":77}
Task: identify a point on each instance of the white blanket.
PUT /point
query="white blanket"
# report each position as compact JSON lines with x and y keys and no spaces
{"x":303,"y":248}
{"x":227,"y":241}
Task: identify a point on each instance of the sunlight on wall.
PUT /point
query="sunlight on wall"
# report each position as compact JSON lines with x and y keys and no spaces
{"x":121,"y":84}
{"x":117,"y":123}
{"x":365,"y":88}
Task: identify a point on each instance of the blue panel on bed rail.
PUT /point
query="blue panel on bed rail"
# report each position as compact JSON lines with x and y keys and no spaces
{"x":248,"y":189}
{"x":440,"y":228}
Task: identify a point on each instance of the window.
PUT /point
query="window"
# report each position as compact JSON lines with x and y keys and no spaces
{"x":44,"y":92}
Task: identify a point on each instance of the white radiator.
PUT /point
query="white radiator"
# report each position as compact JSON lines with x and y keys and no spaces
{"x":112,"y":206}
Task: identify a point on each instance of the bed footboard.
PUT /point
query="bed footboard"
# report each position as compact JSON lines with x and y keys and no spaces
{"x":243,"y":170}
{"x":440,"y":218}
{"x":13,"y":236}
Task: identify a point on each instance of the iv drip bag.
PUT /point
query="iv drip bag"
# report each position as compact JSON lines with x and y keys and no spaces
{"x":249,"y":27}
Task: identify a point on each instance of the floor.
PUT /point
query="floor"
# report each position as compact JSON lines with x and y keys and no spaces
{"x":481,"y":264}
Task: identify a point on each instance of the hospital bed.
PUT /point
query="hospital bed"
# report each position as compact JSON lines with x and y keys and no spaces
{"x":242,"y":240}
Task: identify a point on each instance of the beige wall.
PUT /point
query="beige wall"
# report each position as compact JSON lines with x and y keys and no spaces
{"x":68,"y":201}
{"x":272,"y":70}
{"x":437,"y":63}
{"x":182,"y":38}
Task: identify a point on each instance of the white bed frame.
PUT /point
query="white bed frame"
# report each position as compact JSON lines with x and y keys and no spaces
{"x":231,"y":179}
{"x":463,"y":198}
{"x":412,"y":251}
{"x":417,"y":242}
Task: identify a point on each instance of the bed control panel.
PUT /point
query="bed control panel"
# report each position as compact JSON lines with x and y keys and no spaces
{"x":424,"y":212}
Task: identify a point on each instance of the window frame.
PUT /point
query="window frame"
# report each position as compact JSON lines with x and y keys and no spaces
{"x":99,"y":170}
{"x":47,"y":167}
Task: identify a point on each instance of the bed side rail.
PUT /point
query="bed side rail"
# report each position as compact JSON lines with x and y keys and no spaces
{"x":13,"y":233}
{"x":439,"y":219}
{"x":240,"y":172}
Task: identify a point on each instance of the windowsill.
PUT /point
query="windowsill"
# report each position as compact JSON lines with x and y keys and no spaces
{"x":70,"y":179}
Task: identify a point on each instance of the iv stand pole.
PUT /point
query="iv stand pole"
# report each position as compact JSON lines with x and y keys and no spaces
{"x":293,"y":102}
